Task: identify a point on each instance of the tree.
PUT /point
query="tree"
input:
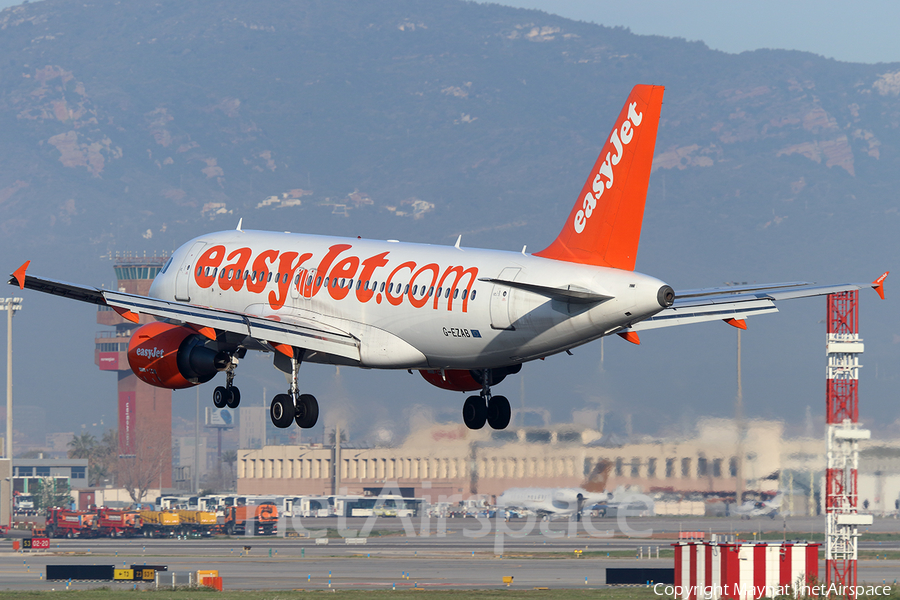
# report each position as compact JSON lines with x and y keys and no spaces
{"x":50,"y":492}
{"x":101,"y":455}
{"x":229,"y":457}
{"x":142,"y":472}
{"x":82,"y":446}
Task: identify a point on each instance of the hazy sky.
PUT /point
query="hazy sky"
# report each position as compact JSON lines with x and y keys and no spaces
{"x":848,"y":31}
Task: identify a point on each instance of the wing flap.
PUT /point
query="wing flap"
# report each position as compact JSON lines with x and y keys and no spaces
{"x":697,"y":306}
{"x":265,"y":329}
{"x":684,"y":315}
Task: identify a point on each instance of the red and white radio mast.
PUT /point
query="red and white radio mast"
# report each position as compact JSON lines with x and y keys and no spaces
{"x":843,"y":434}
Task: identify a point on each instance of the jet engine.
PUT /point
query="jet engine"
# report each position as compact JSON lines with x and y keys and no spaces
{"x":463,"y":380}
{"x":173,"y":356}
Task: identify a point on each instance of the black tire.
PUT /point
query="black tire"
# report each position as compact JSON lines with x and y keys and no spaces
{"x":474,"y":412}
{"x":235,"y":399}
{"x":220,"y":397}
{"x":282,"y":411}
{"x":498,"y":412}
{"x":307,"y":414}
{"x":229,"y":529}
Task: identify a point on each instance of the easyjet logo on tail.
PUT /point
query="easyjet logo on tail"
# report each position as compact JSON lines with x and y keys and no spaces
{"x":605,"y":176}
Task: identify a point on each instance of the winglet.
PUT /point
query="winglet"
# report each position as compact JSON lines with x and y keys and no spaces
{"x":739,"y":323}
{"x":878,"y":284}
{"x":19,"y":275}
{"x":630,"y":336}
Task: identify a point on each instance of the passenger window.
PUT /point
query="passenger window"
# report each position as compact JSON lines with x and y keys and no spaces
{"x":254,"y":276}
{"x":415,"y":290}
{"x":359,"y":283}
{"x":297,"y":279}
{"x":447,"y":293}
{"x":391,"y":288}
{"x":455,"y":293}
{"x":270,"y":277}
{"x":309,"y":281}
{"x":319,"y":281}
{"x":286,"y":276}
{"x":230,"y":273}
{"x":382,"y":286}
{"x":440,"y":290}
{"x":473,"y":296}
{"x":431,"y":291}
{"x":246,"y":275}
{"x":406,"y":291}
{"x":465,"y":293}
{"x":367,"y":285}
{"x":334,"y":282}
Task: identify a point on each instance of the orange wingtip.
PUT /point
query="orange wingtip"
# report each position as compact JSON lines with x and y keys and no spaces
{"x":20,"y":274}
{"x":739,"y":323}
{"x":878,"y":284}
{"x":630,"y":336}
{"x":127,"y":314}
{"x":284,"y":349}
{"x":207,"y":332}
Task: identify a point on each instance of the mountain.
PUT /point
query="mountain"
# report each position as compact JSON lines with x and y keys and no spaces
{"x":134,"y":126}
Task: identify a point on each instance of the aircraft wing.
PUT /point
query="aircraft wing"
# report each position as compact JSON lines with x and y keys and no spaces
{"x":734,"y":304}
{"x":299,"y":333}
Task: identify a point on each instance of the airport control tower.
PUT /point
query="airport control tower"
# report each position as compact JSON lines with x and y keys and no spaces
{"x":145,"y":412}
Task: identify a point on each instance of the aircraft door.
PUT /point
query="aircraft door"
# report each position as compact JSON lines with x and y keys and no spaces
{"x":183,"y":277}
{"x":500,"y":297}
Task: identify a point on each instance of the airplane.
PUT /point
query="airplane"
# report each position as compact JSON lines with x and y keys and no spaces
{"x":464,"y":318}
{"x":751,"y":509}
{"x":551,"y":502}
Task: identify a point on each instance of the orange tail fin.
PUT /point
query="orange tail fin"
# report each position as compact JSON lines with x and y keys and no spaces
{"x":604,"y":227}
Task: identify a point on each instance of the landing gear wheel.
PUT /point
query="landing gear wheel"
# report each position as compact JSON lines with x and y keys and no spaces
{"x":282,"y":411}
{"x":220,"y":397}
{"x":474,"y":412}
{"x":307,"y":413}
{"x":235,"y":399}
{"x":498,"y":412}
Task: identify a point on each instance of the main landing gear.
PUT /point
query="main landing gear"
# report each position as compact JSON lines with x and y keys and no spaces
{"x":494,"y":410}
{"x":294,"y":406}
{"x":229,"y":395}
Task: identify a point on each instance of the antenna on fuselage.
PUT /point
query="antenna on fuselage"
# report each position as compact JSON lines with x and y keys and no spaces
{"x":240,"y":222}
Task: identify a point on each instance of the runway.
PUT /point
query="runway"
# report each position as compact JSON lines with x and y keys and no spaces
{"x":461,"y":553}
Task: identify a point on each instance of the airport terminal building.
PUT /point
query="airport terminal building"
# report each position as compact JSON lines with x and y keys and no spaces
{"x":451,"y":460}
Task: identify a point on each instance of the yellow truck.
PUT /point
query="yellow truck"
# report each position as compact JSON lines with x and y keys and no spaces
{"x":159,"y":523}
{"x":196,"y":522}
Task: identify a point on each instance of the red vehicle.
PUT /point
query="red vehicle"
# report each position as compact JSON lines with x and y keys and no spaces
{"x":62,"y":522}
{"x":118,"y":523}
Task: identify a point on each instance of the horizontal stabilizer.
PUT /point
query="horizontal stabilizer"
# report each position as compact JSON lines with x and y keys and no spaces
{"x":570,"y":295}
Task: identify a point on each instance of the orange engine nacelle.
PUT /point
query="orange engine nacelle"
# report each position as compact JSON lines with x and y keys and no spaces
{"x":464,"y":380}
{"x":173,"y":356}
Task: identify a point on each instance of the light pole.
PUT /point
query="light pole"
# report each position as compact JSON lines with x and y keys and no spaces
{"x":10,"y":305}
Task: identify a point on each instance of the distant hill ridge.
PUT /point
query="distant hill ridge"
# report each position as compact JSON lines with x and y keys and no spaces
{"x":137,"y":124}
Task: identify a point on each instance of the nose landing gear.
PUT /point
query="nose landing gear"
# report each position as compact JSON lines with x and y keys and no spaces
{"x":494,"y":410}
{"x":294,"y":406}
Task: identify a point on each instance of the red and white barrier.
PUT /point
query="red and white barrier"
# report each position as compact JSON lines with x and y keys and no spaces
{"x":744,"y":571}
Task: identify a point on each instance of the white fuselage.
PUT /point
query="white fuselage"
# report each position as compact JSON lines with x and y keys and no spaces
{"x":385,"y":294}
{"x":550,"y":501}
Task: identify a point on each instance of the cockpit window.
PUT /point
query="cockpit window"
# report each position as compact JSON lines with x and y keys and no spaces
{"x":166,"y":266}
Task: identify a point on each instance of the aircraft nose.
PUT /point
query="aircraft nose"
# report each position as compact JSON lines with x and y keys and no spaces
{"x":665,"y":296}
